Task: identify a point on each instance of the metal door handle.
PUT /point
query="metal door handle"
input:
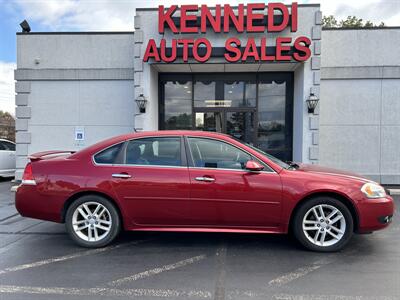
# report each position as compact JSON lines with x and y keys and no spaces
{"x":207,"y":179}
{"x":121,"y":175}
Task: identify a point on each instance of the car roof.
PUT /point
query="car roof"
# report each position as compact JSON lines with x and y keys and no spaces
{"x":175,"y":132}
{"x":118,"y":139}
{"x":4,"y":140}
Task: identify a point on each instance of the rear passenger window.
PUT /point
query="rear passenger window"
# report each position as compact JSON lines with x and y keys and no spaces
{"x":162,"y":151}
{"x":9,"y":146}
{"x":109,"y":155}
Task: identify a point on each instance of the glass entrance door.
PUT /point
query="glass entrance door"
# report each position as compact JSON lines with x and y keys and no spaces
{"x":239,"y":124}
{"x":256,"y":108}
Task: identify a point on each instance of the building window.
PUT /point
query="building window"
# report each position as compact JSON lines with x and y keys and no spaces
{"x":178,"y":105}
{"x":256,"y":108}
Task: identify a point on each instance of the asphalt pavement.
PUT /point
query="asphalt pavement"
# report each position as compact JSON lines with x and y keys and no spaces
{"x":39,"y":261}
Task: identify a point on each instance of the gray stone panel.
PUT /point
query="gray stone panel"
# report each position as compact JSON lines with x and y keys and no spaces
{"x":316,"y":33}
{"x":317,"y":47}
{"x":315,"y":138}
{"x":22,"y":86}
{"x":315,"y":63}
{"x":317,"y":78}
{"x":23,"y":137}
{"x":138,"y":78}
{"x":137,"y":22}
{"x":314,"y":122}
{"x":22,"y":149}
{"x":138,"y":65}
{"x":23,"y":112}
{"x":318,"y":17}
{"x":21,"y":124}
{"x":314,"y":153}
{"x":138,"y":38}
{"x":21,"y":99}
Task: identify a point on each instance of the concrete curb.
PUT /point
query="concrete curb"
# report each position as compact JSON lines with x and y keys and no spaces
{"x":394,"y":192}
{"x":14,"y":188}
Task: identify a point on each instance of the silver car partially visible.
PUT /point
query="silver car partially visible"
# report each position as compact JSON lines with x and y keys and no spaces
{"x":7,"y":158}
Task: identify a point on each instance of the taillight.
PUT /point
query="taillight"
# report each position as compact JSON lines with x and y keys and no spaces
{"x":28,"y":178}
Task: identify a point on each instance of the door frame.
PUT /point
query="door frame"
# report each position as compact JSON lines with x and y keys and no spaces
{"x":259,"y":77}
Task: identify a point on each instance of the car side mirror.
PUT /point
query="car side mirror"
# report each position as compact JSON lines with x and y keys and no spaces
{"x":252,"y":165}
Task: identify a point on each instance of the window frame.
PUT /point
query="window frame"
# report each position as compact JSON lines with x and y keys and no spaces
{"x":191,"y":164}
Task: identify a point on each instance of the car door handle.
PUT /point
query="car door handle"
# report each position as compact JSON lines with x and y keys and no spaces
{"x":121,"y":175}
{"x":207,"y":179}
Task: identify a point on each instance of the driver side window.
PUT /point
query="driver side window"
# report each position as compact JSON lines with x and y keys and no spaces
{"x":208,"y":153}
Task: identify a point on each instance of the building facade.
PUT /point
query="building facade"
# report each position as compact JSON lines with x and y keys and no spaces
{"x":246,"y":71}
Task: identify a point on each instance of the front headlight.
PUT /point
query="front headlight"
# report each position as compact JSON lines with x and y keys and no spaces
{"x":373,"y":190}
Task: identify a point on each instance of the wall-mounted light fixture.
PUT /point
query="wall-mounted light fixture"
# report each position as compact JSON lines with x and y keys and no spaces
{"x":312,"y":103}
{"x":25,"y":26}
{"x":141,"y":102}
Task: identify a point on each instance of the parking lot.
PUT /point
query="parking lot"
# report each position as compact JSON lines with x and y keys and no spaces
{"x":39,"y":261}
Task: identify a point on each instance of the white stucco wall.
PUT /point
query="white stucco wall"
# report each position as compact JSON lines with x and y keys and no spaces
{"x":360,"y":102}
{"x":69,"y":81}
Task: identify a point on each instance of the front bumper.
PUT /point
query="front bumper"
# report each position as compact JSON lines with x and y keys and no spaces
{"x":375,"y":214}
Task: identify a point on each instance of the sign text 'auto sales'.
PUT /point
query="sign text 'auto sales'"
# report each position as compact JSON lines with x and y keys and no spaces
{"x":196,"y":19}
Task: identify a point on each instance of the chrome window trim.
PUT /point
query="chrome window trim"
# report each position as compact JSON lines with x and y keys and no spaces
{"x":229,"y":143}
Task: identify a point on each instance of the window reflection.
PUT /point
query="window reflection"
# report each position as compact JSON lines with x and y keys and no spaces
{"x":240,"y":93}
{"x":178,"y":105}
{"x":204,"y":93}
{"x":271,"y":118}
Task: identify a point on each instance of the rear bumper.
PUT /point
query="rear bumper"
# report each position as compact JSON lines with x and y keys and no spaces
{"x":30,"y":203}
{"x":375,"y":214}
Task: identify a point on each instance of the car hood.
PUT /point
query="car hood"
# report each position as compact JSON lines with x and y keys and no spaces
{"x":331,"y":171}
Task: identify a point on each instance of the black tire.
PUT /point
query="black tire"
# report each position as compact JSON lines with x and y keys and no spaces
{"x":297,"y":224}
{"x":113,"y":215}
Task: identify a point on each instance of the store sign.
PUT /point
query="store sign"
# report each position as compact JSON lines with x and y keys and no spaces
{"x":251,"y":19}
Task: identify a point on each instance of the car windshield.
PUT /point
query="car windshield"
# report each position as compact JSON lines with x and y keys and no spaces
{"x":269,"y":156}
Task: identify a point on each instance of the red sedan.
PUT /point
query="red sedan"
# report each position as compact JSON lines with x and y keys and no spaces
{"x":197,"y":181}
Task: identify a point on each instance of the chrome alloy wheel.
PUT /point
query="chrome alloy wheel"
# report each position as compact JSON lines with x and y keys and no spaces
{"x":324,"y":225}
{"x":91,"y":221}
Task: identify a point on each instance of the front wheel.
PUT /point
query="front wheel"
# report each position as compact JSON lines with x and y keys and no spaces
{"x":92,"y":221}
{"x":323,"y":224}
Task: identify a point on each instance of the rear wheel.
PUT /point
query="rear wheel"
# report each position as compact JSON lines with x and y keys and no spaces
{"x":323,"y":224}
{"x":92,"y":221}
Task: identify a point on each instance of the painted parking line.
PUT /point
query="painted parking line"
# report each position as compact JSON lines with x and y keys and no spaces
{"x":304,"y":270}
{"x":108,"y":292}
{"x":68,"y":257}
{"x":172,"y":293}
{"x":156,"y":271}
{"x":286,"y":278}
{"x":249,"y":294}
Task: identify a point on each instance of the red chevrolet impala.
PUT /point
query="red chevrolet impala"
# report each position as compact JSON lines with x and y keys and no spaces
{"x":197,"y":181}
